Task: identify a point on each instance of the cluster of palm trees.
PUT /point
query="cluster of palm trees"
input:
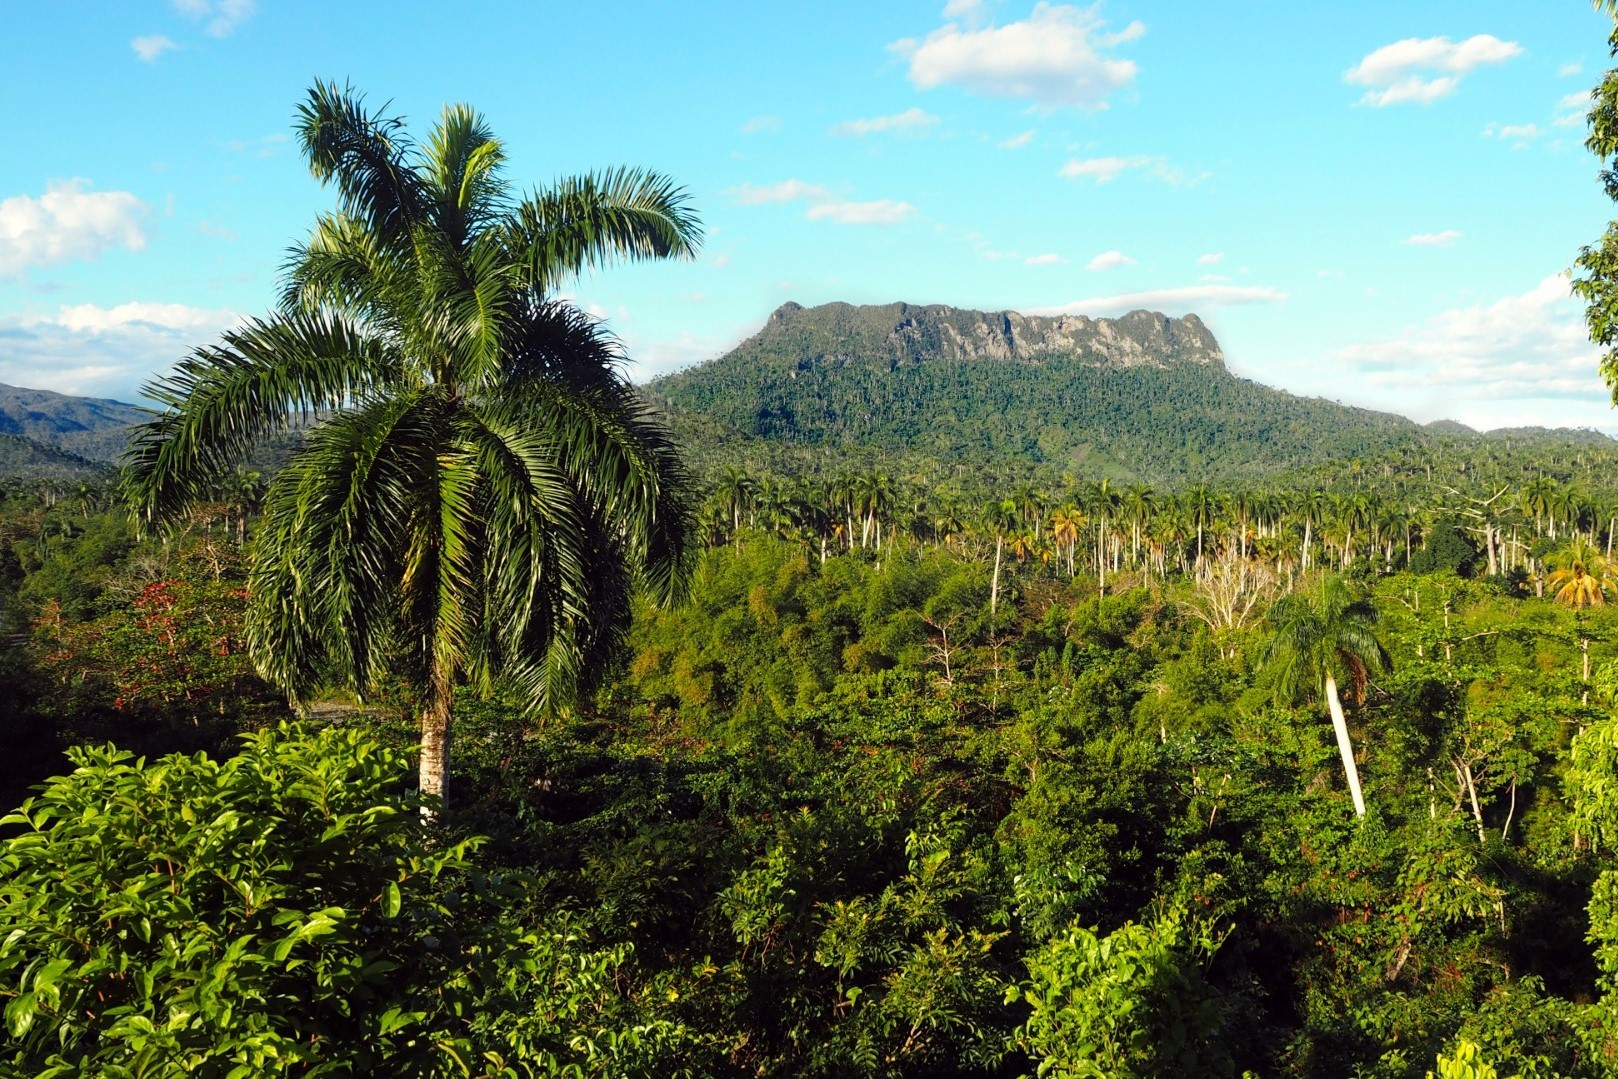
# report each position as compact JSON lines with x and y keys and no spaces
{"x":1104,"y":528}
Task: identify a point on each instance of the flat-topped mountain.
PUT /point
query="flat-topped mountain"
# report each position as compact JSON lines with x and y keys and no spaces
{"x":914,"y":333}
{"x":1143,"y":396}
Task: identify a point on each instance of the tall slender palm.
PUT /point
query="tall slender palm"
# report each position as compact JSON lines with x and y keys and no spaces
{"x":1317,"y":640}
{"x":480,"y":488}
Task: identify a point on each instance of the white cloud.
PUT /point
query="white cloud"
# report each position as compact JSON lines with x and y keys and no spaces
{"x":1017,"y":142}
{"x":1168,"y":300}
{"x":1512,"y":132}
{"x":1422,"y":70}
{"x":1103,"y":169}
{"x":1522,"y":359}
{"x":1573,"y":68}
{"x":1055,"y":57}
{"x":1433,"y":239}
{"x":785,"y":191}
{"x":912,"y":120}
{"x":877,"y":212}
{"x":1579,"y":104}
{"x":1109,"y":260}
{"x":66,"y":223}
{"x":103,"y":351}
{"x":721,"y":260}
{"x":1212,"y":258}
{"x":1049,"y":259}
{"x":758,"y":124}
{"x":221,"y":17}
{"x":150,"y":48}
{"x":823,"y":206}
{"x":970,"y":11}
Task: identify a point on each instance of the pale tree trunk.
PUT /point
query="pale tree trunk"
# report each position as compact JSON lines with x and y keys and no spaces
{"x":1340,"y":726}
{"x":435,"y":733}
{"x":994,"y":587}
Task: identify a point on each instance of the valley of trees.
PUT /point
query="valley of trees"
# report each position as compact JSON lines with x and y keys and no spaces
{"x":420,"y":699}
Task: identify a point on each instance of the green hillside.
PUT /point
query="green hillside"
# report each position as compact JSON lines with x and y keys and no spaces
{"x":88,"y":427}
{"x":1140,"y":397}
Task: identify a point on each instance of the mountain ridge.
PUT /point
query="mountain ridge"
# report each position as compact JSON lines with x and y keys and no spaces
{"x":1142,"y":396}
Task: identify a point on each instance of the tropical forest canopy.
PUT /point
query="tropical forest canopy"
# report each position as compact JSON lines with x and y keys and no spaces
{"x":936,"y":693}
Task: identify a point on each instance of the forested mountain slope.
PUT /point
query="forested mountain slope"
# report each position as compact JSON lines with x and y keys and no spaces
{"x":1143,"y":396}
{"x":90,"y":427}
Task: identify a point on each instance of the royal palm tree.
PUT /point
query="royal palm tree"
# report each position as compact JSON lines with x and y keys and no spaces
{"x":479,"y":488}
{"x":1319,"y":640}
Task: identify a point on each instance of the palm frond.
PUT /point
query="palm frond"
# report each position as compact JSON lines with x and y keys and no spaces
{"x":586,"y":222}
{"x":219,"y":401}
{"x":367,"y":155}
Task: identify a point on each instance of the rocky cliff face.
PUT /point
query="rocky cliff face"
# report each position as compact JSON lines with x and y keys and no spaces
{"x":901,"y":333}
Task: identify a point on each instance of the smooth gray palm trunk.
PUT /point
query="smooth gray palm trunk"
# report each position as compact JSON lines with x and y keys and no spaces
{"x":435,"y":715}
{"x":1339,"y":724}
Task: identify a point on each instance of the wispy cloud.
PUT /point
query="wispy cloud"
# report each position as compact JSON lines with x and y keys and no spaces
{"x":1433,"y":239}
{"x":1422,"y":70}
{"x":67,"y":223}
{"x":220,"y":18}
{"x":1103,"y":169}
{"x":1017,"y":142}
{"x":1574,"y":107}
{"x":876,"y":212}
{"x":823,"y":205}
{"x":785,"y":191}
{"x":150,"y":48}
{"x":1521,"y":359}
{"x":1109,"y":260}
{"x":1568,"y":69}
{"x":1519,"y":133}
{"x":1049,"y":259}
{"x":1169,"y":300}
{"x":1212,"y":258}
{"x":1058,"y":56}
{"x":912,"y":121}
{"x":757,"y":125}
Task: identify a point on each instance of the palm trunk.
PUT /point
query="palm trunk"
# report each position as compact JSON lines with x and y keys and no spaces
{"x":994,"y":587}
{"x":1346,"y":748}
{"x":435,"y":732}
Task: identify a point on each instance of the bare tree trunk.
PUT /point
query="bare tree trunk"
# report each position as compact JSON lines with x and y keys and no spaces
{"x":1344,"y":746}
{"x":435,"y":732}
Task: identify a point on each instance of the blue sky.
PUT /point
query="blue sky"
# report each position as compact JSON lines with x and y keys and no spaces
{"x":1369,"y":201}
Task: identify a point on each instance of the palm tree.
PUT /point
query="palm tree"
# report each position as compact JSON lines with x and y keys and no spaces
{"x":1316,"y":641}
{"x":1579,"y":576}
{"x":481,"y":488}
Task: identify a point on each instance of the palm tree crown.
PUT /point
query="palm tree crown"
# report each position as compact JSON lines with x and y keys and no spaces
{"x":1320,"y":642}
{"x":478,"y":488}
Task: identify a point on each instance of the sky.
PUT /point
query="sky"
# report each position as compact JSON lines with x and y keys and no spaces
{"x":1375,"y":202}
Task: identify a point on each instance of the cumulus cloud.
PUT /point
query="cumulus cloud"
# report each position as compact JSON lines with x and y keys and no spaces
{"x":876,"y":212}
{"x":1169,"y":300}
{"x":1433,"y":239}
{"x":823,"y":205}
{"x":1049,"y":259}
{"x":103,"y":351}
{"x":912,"y":120}
{"x":68,"y":222}
{"x":1056,"y":57}
{"x":150,"y":48}
{"x":759,"y":124}
{"x":1422,"y":70}
{"x":1519,"y":360}
{"x":1109,"y":260}
{"x":220,"y":18}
